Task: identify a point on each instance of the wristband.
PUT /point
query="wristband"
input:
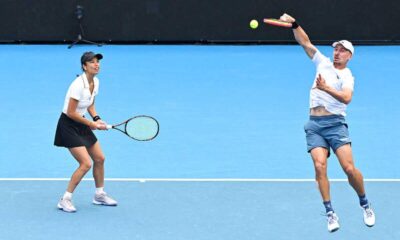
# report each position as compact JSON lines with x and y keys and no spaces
{"x":295,"y":25}
{"x":95,"y":118}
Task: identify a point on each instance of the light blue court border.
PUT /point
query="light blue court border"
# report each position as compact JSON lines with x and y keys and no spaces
{"x":194,"y":210}
{"x":225,"y":111}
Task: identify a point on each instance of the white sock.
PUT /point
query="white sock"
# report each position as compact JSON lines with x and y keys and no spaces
{"x":99,"y":190}
{"x":67,"y":195}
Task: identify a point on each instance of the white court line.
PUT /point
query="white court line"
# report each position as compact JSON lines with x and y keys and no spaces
{"x":201,"y":179}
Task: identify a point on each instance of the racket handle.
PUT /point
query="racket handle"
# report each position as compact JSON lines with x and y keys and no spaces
{"x":109,"y":126}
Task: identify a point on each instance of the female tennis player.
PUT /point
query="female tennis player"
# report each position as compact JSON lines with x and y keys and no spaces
{"x":330,"y":94}
{"x":74,"y":132}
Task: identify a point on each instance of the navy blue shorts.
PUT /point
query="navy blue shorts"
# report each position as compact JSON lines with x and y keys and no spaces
{"x":327,"y":132}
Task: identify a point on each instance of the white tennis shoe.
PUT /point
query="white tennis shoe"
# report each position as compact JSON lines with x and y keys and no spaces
{"x":104,"y":199}
{"x":333,"y":221}
{"x":369,"y":216}
{"x":66,"y":205}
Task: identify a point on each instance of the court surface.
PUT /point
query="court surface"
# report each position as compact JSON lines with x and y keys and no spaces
{"x":229,"y":162}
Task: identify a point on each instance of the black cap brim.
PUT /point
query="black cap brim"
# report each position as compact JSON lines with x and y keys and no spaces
{"x":98,"y":56}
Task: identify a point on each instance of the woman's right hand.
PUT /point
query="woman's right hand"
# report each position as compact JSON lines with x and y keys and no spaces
{"x":97,"y":126}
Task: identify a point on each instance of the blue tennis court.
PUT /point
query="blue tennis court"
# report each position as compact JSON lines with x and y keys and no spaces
{"x":230,"y":161}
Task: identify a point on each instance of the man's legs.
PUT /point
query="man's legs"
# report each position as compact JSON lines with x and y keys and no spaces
{"x":320,"y":159}
{"x":345,"y":156}
{"x":356,"y":180}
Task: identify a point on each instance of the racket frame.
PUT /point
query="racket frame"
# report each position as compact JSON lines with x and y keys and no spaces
{"x":125,"y":124}
{"x":277,"y":22}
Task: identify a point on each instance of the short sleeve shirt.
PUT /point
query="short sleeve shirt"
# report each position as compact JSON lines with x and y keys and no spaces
{"x":79,"y":90}
{"x":336,"y":78}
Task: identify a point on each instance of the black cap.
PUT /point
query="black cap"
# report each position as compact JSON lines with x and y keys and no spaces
{"x":88,"y":56}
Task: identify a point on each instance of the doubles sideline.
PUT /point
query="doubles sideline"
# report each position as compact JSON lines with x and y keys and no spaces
{"x":201,"y":179}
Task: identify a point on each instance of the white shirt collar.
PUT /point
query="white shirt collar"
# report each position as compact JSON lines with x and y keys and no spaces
{"x":86,"y":81}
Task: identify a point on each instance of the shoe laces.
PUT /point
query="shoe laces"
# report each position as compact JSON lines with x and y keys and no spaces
{"x":368,"y":210}
{"x":104,"y":196}
{"x":68,"y":202}
{"x":332,"y":218}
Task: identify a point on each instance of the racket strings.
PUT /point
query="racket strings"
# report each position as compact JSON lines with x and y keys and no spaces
{"x":142,"y":128}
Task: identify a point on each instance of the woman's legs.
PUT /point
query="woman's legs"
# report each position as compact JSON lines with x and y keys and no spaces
{"x":97,"y":155}
{"x":82,"y":156}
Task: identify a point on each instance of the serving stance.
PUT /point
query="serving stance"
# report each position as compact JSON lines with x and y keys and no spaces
{"x":74,"y":132}
{"x":330,"y":94}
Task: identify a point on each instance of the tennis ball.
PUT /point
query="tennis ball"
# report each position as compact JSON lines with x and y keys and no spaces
{"x":253,"y":24}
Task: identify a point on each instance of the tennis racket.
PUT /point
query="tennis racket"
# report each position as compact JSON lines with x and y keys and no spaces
{"x":277,"y":22}
{"x":140,"y":128}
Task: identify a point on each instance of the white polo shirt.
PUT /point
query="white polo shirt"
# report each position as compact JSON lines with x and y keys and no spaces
{"x":79,"y":90}
{"x":336,"y":78}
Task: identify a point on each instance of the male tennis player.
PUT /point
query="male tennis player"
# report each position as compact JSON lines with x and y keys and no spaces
{"x":74,"y":132}
{"x":330,"y":94}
